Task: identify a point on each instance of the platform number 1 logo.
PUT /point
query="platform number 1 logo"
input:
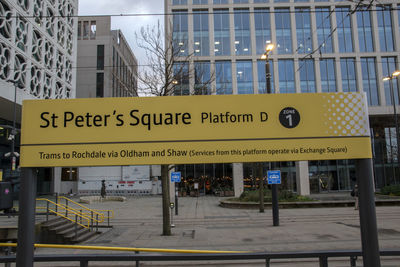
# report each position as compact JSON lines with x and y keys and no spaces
{"x":289,"y":117}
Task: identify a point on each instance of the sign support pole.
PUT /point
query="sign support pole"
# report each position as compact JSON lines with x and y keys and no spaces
{"x":368,"y":226}
{"x":275,"y":206}
{"x":26,"y":219}
{"x":176,"y":198}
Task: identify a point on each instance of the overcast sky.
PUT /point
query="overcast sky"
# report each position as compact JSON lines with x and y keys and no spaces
{"x":128,"y":25}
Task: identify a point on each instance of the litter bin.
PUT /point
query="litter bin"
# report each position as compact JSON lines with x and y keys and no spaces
{"x":6,"y":199}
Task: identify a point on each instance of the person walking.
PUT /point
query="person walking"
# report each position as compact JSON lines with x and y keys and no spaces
{"x":103,"y":189}
{"x":354,"y":193}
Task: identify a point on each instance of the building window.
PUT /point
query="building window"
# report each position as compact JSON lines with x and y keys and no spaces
{"x":391,"y":144}
{"x":262,"y":26}
{"x":79,"y":30}
{"x":221,"y":33}
{"x":180,"y":33}
{"x":179,"y":2}
{"x":343,"y":22}
{"x":93,"y":29}
{"x":347,"y":67}
{"x":220,"y":2}
{"x":86,"y":30}
{"x":69,"y":174}
{"x":323,"y":21}
{"x":307,"y":76}
{"x":384,"y":17}
{"x":261,"y":1}
{"x":283,"y":31}
{"x":202,"y":82}
{"x":286,"y":76}
{"x":261,"y":76}
{"x":181,"y":77}
{"x":244,"y":77}
{"x":365,"y":31}
{"x":370,"y":85}
{"x":388,"y":66}
{"x":328,"y":75}
{"x":223,"y":72}
{"x":200,"y":33}
{"x":240,"y":1}
{"x":303,"y":30}
{"x":99,"y":84}
{"x":200,"y":2}
{"x":100,"y":57}
{"x":242,"y":32}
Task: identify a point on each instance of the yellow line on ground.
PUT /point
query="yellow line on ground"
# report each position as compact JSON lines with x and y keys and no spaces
{"x":123,"y":248}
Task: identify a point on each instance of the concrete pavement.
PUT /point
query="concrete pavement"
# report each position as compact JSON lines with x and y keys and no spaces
{"x":202,"y":224}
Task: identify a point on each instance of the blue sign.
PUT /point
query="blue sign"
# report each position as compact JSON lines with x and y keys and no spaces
{"x":274,"y":177}
{"x":175,"y":177}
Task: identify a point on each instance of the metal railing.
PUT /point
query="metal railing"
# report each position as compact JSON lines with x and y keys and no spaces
{"x":97,"y":216}
{"x":193,"y":255}
{"x":64,"y":212}
{"x":76,"y":213}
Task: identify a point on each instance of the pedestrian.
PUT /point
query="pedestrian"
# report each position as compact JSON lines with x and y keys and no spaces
{"x":103,"y":189}
{"x":354,"y":193}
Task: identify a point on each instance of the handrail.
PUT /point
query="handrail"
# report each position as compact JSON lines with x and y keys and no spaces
{"x":123,"y":248}
{"x":84,"y":259}
{"x":56,"y":212}
{"x":101,"y":215}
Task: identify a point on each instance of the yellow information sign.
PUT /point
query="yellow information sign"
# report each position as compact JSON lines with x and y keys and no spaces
{"x":194,"y":129}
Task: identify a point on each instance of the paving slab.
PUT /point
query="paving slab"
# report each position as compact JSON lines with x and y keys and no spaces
{"x":203,"y":224}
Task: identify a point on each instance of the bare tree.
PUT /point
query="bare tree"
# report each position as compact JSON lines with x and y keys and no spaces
{"x":168,"y":71}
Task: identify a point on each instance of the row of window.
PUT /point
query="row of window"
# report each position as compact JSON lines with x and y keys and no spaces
{"x":284,"y":33}
{"x":124,"y":82}
{"x":286,"y":74}
{"x":223,"y":2}
{"x":87,"y":30}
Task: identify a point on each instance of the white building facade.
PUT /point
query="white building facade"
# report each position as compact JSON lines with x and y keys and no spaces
{"x":38,"y":55}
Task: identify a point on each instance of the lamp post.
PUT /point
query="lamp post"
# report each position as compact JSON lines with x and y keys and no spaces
{"x":390,"y":79}
{"x":274,"y":187}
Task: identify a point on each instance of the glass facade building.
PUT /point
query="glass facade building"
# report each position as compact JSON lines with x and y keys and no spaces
{"x":321,"y":46}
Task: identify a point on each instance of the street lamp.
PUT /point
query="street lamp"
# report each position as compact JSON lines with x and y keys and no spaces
{"x":268,"y":49}
{"x":389,"y":78}
{"x":274,"y":188}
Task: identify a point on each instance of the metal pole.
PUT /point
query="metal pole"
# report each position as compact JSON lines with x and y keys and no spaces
{"x":13,"y":132}
{"x":56,"y":202}
{"x":274,"y":187}
{"x":176,"y":198}
{"x":397,"y":127}
{"x":369,"y":231}
{"x":26,"y":219}
{"x":261,"y":187}
{"x":267,"y":76}
{"x":275,"y":206}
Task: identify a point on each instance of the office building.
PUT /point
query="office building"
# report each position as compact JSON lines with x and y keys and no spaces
{"x":107,"y":68}
{"x":320,"y":46}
